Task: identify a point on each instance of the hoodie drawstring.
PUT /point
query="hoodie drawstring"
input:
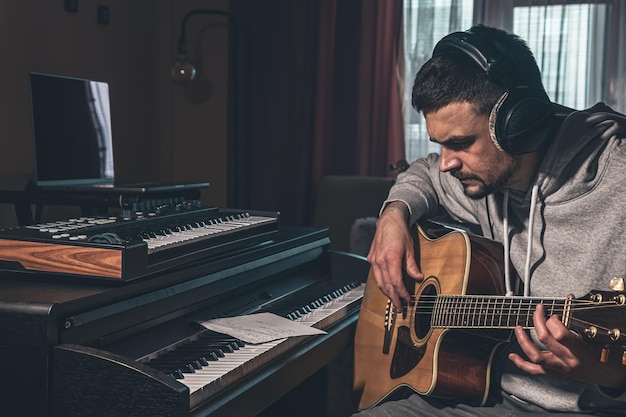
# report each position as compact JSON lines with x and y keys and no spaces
{"x":529,"y":247}
{"x":505,"y":230}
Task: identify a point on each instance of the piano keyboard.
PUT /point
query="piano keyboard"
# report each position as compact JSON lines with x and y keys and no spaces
{"x":185,"y":234}
{"x":215,"y":361}
{"x":123,"y":249}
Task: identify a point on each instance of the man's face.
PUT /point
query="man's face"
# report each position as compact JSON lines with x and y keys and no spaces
{"x":467,"y":151}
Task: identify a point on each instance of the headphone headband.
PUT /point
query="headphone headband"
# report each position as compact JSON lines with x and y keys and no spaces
{"x":482,"y":53}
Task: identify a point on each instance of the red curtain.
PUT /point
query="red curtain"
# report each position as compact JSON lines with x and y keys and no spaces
{"x":380,"y":127}
{"x":359,"y":126}
{"x":319,"y":93}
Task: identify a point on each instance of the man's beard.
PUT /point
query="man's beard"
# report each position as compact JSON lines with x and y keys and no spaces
{"x":485,"y":186}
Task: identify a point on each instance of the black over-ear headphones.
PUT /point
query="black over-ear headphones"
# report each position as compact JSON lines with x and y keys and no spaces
{"x":521,"y":121}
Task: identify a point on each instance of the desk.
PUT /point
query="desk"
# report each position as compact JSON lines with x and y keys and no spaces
{"x":96,"y":202}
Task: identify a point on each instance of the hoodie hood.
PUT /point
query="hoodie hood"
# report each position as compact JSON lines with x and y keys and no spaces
{"x":572,"y":168}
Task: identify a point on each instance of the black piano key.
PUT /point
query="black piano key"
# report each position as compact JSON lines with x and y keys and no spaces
{"x":187,"y":358}
{"x":233,"y":342}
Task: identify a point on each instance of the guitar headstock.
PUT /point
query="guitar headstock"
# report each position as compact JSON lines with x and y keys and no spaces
{"x":599,"y":316}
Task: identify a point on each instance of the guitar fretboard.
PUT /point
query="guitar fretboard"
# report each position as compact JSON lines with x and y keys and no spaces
{"x":481,"y":312}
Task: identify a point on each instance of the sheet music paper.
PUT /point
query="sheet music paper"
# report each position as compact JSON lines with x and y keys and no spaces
{"x":260,"y":327}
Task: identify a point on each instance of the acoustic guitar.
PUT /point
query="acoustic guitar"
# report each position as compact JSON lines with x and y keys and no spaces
{"x":445,"y":339}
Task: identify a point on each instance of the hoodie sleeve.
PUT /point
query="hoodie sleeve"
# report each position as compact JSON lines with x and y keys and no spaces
{"x":425,"y":190}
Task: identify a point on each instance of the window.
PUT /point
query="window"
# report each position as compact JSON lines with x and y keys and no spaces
{"x":425,"y":22}
{"x":571,"y":40}
{"x":568,"y":43}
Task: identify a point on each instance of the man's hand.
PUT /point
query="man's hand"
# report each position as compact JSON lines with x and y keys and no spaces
{"x":392,"y":252}
{"x":567,"y":355}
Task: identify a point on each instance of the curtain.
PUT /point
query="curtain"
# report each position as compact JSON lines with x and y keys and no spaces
{"x":315,"y":81}
{"x":494,"y":13}
{"x":380,"y":121}
{"x":359,"y":118}
{"x":616,"y":59}
{"x":363,"y":120}
{"x":277,"y":44}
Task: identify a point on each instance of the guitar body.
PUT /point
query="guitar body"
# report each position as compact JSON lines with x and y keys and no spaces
{"x":400,"y":349}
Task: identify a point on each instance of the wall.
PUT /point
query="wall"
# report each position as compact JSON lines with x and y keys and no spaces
{"x":161,"y":131}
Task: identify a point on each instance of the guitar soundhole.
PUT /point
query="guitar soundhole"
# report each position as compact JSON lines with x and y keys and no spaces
{"x":424,"y":310}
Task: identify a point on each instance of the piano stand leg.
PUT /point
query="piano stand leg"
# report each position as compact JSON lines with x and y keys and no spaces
{"x":340,"y":401}
{"x":328,"y":392}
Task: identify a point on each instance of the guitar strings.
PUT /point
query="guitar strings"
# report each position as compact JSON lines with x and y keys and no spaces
{"x":478,"y":315}
{"x":455,"y":305}
{"x":517,"y":303}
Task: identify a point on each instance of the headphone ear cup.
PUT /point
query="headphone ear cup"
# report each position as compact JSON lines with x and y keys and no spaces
{"x":523,"y":123}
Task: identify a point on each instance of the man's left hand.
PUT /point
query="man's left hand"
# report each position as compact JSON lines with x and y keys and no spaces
{"x":566,"y":354}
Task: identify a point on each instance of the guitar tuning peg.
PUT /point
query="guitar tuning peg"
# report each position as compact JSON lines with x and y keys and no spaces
{"x":614,"y":334}
{"x":616,"y":284}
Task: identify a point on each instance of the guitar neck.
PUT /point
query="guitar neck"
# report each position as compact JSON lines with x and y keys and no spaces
{"x":493,"y":312}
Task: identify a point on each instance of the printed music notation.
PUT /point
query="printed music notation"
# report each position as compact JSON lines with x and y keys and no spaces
{"x":260,"y":327}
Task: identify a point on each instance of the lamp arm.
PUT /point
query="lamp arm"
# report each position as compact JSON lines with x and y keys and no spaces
{"x":182,"y":40}
{"x":183,"y":72}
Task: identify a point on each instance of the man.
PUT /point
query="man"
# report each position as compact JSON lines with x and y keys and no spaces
{"x":549,"y":185}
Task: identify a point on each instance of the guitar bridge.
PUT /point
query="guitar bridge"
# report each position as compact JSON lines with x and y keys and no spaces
{"x":390,"y":320}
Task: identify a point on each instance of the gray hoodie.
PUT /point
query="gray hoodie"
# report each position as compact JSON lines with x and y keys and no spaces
{"x":578,"y":240}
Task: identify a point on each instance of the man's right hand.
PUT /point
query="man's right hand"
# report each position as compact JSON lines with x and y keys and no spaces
{"x":392,"y":252}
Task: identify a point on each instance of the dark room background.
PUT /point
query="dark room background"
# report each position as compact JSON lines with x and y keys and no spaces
{"x":286,"y":92}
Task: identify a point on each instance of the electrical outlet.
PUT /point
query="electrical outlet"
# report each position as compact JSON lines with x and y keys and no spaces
{"x":70,"y":5}
{"x":103,"y":14}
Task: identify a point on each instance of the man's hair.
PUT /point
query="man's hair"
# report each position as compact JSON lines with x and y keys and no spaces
{"x":453,"y":76}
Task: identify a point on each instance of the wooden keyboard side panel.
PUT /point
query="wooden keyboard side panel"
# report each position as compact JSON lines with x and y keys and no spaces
{"x":65,"y":259}
{"x":92,"y":382}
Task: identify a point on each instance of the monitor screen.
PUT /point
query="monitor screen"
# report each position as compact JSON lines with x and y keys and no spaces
{"x":72,"y":130}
